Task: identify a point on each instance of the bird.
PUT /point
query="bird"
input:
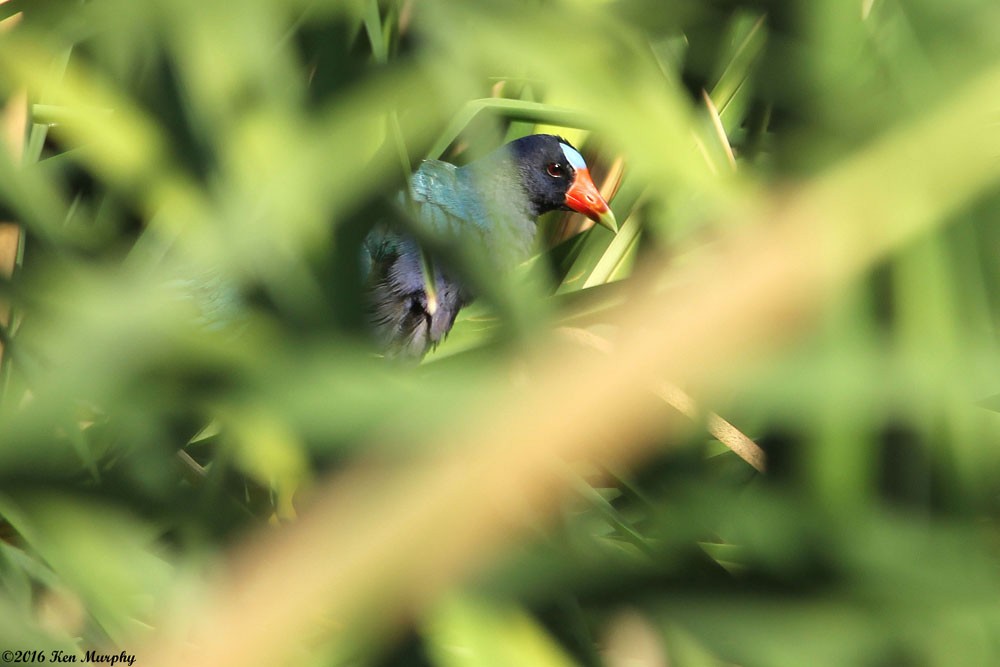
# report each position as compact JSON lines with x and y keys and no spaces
{"x":494,"y":202}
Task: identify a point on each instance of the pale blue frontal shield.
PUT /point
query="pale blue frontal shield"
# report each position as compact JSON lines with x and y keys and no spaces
{"x":573,"y":157}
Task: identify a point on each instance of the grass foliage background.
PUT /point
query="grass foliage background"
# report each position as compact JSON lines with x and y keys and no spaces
{"x":202,"y":461}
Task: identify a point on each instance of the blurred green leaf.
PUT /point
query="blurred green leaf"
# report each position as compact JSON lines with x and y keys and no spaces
{"x":473,"y":633}
{"x":101,"y":553}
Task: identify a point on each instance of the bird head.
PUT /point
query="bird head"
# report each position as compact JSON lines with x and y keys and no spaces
{"x":555,"y":176}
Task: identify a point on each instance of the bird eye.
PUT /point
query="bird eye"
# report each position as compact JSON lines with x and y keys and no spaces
{"x":556,"y":170}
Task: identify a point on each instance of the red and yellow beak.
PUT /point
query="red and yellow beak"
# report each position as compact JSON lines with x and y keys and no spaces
{"x":584,"y":197}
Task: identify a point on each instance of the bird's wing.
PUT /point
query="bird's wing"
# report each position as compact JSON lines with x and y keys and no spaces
{"x":439,"y":203}
{"x":485,"y":212}
{"x":447,"y":205}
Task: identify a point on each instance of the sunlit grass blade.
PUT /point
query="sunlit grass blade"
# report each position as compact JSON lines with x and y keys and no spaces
{"x":616,"y":260}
